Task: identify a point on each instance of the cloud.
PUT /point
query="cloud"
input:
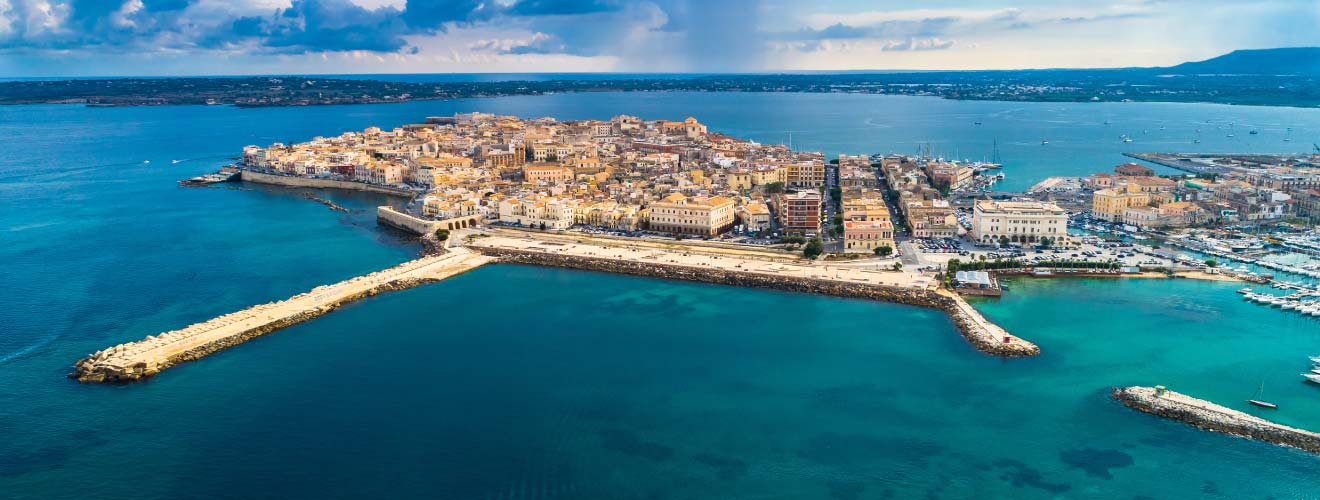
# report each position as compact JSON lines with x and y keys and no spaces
{"x":917,"y":44}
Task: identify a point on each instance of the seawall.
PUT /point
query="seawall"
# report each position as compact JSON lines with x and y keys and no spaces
{"x":308,"y":182}
{"x":390,"y":217}
{"x":1212,"y":417}
{"x":981,"y":333}
{"x":135,"y":361}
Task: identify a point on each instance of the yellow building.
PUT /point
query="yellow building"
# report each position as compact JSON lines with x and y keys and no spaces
{"x":1110,"y":204}
{"x":698,"y":216}
{"x":864,"y":236}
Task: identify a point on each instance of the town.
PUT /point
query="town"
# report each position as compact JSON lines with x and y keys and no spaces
{"x":676,"y":179}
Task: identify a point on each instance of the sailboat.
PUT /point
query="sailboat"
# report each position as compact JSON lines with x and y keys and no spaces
{"x":1260,"y":403}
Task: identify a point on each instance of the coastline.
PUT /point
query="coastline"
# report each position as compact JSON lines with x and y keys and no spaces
{"x":308,"y":182}
{"x":984,"y":335}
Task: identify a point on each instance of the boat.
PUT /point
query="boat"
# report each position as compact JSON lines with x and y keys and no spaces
{"x":1127,"y":139}
{"x":1315,"y":369}
{"x":1260,"y":403}
{"x":146,"y":161}
{"x":175,"y":161}
{"x":1315,"y":359}
{"x":1312,"y":377}
{"x":1244,"y":290}
{"x":1254,"y":132}
{"x":976,"y":123}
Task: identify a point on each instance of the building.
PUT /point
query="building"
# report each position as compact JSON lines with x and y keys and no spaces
{"x":866,"y":236}
{"x":698,"y":216}
{"x":1134,"y":170}
{"x":806,"y":174}
{"x":754,"y":216}
{"x":931,"y":218}
{"x":799,"y":212}
{"x":1110,"y":204}
{"x":547,"y":173}
{"x":1018,"y":221}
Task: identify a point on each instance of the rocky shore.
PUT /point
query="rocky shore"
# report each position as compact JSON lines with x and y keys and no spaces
{"x":976,"y":329}
{"x":1212,"y":417}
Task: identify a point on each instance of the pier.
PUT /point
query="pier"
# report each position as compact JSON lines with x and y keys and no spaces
{"x":141,"y":359}
{"x":750,"y":267}
{"x":1212,"y":417}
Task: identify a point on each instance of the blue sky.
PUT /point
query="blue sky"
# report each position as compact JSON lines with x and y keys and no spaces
{"x":191,"y":37}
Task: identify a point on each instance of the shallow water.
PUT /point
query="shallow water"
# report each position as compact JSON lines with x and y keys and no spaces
{"x":522,"y":382}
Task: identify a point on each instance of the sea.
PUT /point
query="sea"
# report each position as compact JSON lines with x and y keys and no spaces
{"x":516,"y":382}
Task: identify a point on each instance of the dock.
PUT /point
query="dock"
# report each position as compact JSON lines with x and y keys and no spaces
{"x":138,"y":360}
{"x":1212,"y":417}
{"x":750,"y":267}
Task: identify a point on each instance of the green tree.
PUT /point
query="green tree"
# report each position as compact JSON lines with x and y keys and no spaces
{"x":1046,"y":242}
{"x":1003,"y":241}
{"x":774,"y":188}
{"x":898,"y":266}
{"x":441,"y":234}
{"x":953,"y":266}
{"x":813,"y":248}
{"x":884,"y":250}
{"x":1211,"y":263}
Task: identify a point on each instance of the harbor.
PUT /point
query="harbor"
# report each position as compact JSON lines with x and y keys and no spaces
{"x":739,"y":267}
{"x":1164,"y":403}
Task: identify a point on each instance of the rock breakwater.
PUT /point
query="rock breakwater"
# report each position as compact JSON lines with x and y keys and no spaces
{"x":1212,"y":417}
{"x":135,"y":361}
{"x":981,"y":333}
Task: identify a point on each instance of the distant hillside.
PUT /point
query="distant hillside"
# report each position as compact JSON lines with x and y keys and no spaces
{"x":1284,"y":61}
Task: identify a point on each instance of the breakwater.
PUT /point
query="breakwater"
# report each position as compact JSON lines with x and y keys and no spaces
{"x":310,"y":182}
{"x":980,"y":332}
{"x":134,"y":361}
{"x":1213,"y":417}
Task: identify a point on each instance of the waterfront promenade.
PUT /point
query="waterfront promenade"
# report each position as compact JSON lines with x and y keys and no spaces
{"x":137,"y":360}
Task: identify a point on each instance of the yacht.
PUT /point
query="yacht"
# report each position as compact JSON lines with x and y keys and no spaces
{"x":1315,"y":359}
{"x":1314,"y":377}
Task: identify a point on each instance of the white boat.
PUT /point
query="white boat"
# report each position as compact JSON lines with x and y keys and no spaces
{"x":146,"y":161}
{"x":1244,"y":290}
{"x":1288,"y":306}
{"x":1314,"y":377}
{"x":1315,"y":359}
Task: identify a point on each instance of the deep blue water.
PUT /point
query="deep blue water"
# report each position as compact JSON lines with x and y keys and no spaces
{"x":520,"y":382}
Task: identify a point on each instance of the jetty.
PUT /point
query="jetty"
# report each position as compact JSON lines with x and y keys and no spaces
{"x":1212,"y":417}
{"x":135,"y":361}
{"x":749,"y":267}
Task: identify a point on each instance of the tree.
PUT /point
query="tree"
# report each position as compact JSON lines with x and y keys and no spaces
{"x":774,"y":188}
{"x":1211,"y":263}
{"x":813,"y":248}
{"x":884,"y":250}
{"x":898,"y":266}
{"x":1003,"y":241}
{"x":1046,"y":242}
{"x":441,"y":234}
{"x":953,"y":266}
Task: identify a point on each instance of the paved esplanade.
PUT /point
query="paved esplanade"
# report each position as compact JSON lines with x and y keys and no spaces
{"x":136,"y":360}
{"x":693,"y":254}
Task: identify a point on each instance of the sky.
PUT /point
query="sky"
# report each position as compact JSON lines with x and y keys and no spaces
{"x":44,"y":38}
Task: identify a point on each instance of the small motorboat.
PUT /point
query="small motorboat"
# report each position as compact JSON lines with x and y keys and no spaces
{"x":1315,"y":359}
{"x":1313,"y":377}
{"x":1042,"y":143}
{"x":146,"y":161}
{"x":1244,"y":290}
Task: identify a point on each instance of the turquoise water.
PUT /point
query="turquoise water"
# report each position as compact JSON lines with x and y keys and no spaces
{"x":521,"y":382}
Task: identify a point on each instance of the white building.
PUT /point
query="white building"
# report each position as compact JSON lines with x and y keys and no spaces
{"x":1020,"y":222}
